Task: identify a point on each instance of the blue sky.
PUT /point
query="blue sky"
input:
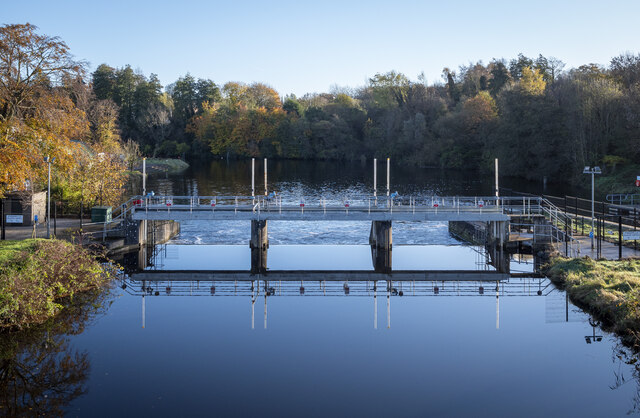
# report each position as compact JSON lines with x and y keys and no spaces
{"x":298,"y":47}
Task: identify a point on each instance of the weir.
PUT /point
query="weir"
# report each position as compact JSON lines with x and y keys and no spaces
{"x":483,"y":220}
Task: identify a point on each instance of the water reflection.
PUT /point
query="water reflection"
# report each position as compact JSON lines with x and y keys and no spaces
{"x":340,"y":284}
{"x":40,"y":371}
{"x":324,"y":257}
{"x":624,"y":356}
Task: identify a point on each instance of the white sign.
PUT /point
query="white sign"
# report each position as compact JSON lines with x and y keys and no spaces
{"x":631,"y":235}
{"x":14,"y":219}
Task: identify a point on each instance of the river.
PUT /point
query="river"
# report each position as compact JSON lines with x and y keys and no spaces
{"x":321,"y":347}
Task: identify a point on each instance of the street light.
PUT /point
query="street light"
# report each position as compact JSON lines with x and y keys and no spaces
{"x":49,"y":160}
{"x":592,"y":171}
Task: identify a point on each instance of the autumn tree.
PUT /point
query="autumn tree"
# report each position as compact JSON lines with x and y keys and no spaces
{"x":36,"y":119}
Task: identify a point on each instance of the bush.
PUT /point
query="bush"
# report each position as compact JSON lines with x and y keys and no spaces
{"x":34,"y":282}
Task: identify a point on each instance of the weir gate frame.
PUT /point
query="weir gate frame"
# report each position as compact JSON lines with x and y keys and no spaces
{"x":494,"y":212}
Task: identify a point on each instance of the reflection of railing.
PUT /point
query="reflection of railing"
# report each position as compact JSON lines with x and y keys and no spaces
{"x":511,"y":287}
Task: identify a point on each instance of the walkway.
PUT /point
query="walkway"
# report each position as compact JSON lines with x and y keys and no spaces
{"x":65,"y":228}
{"x":609,"y":249}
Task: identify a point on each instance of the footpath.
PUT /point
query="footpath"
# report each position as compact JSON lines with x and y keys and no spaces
{"x":609,"y":250}
{"x":66,"y":228}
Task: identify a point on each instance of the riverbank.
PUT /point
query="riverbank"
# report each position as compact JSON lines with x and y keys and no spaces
{"x":620,"y":180}
{"x":609,"y":290}
{"x":39,"y":277}
{"x":162,"y":165}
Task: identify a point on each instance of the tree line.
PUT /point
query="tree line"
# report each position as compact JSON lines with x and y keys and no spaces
{"x":539,"y":119}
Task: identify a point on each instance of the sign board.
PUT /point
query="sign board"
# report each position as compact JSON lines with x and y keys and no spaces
{"x":591,"y":234}
{"x":14,"y":219}
{"x":637,"y":181}
{"x":631,"y":235}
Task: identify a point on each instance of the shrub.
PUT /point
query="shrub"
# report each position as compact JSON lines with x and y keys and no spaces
{"x":34,"y":282}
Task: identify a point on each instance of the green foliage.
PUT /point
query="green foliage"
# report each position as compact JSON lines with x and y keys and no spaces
{"x":293,"y":107}
{"x":36,"y":274}
{"x":539,"y":121}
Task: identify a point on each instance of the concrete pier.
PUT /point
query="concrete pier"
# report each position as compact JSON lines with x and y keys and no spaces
{"x":259,"y":245}
{"x":381,"y":241}
{"x":500,"y":258}
{"x":498,"y":233}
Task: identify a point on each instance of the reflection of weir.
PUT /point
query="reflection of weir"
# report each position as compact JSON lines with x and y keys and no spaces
{"x":319,"y":275}
{"x":155,"y":256}
{"x":331,"y":283}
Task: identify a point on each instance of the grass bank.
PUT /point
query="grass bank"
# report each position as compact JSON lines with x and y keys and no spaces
{"x":38,"y":277}
{"x":164,"y":165}
{"x":608,"y":290}
{"x":620,"y":180}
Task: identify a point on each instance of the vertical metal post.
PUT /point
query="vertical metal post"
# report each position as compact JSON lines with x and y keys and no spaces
{"x":143,"y":312}
{"x":388,"y":176}
{"x":265,"y":176}
{"x":592,"y":206}
{"x":497,"y":306}
{"x":497,"y":187}
{"x":375,"y":177}
{"x":144,"y":176}
{"x":49,"y":200}
{"x":566,"y":239}
{"x":253,"y":177}
{"x":599,"y":236}
{"x":3,"y":236}
{"x":388,"y":308}
{"x":375,"y":305}
{"x":576,"y":215}
{"x":619,"y":237}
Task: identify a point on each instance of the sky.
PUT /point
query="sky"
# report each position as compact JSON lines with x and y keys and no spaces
{"x":300,"y":47}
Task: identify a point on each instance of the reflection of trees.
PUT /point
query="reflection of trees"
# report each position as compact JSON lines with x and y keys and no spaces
{"x":40,"y":372}
{"x":624,"y":355}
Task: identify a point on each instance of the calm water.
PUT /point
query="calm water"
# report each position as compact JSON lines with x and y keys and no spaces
{"x":320,"y":348}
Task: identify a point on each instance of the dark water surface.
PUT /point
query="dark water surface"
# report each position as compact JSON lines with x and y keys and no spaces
{"x":322,"y":348}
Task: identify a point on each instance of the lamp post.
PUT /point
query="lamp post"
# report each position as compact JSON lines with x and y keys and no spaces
{"x":49,"y":160}
{"x":592,"y":171}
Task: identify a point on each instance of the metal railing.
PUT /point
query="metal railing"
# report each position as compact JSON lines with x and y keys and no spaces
{"x":346,"y":203}
{"x":630,"y":199}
